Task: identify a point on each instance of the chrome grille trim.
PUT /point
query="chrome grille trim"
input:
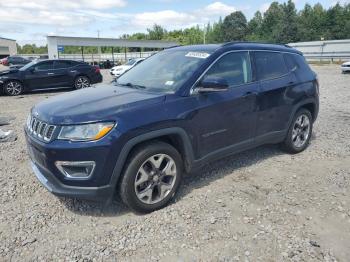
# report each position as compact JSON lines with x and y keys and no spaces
{"x":40,"y":129}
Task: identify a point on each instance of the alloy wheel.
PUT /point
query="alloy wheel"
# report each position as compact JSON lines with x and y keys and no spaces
{"x":155,"y":179}
{"x":82,"y":82}
{"x":301,"y":131}
{"x":13,"y":88}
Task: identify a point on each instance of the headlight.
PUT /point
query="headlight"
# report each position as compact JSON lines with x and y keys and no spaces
{"x":86,"y":132}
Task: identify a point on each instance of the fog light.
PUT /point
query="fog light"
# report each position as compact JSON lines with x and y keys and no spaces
{"x":76,"y":169}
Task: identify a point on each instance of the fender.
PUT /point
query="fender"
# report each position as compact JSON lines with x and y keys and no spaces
{"x":186,"y":143}
{"x":297,"y":106}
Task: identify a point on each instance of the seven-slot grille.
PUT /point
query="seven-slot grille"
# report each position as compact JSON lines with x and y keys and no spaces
{"x":40,"y":129}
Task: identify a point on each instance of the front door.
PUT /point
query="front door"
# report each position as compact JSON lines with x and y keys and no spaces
{"x":40,"y":75}
{"x":227,"y":119}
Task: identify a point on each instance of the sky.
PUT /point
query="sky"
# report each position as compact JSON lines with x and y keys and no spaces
{"x":30,"y":21}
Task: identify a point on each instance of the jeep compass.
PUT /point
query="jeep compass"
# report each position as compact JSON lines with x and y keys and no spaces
{"x":174,"y":112}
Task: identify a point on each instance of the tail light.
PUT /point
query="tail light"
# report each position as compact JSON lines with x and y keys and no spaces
{"x":97,"y":69}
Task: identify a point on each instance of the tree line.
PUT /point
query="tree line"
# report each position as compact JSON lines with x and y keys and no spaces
{"x":280,"y":23}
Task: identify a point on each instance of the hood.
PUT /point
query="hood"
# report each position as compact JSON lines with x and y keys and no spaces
{"x":9,"y":71}
{"x":103,"y":102}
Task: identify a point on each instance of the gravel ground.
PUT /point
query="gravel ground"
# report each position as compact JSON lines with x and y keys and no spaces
{"x":261,"y":205}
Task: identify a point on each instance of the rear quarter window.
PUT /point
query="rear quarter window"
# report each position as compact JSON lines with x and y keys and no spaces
{"x":269,"y":65}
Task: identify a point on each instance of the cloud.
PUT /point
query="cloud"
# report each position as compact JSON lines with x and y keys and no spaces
{"x":44,"y":17}
{"x":174,"y":19}
{"x":219,"y":8}
{"x":65,"y":16}
{"x":63,"y":4}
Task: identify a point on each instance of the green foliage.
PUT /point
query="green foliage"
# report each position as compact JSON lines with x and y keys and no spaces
{"x":281,"y":23}
{"x":234,"y":27}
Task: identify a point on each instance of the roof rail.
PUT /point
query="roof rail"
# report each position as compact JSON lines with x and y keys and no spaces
{"x":253,"y":42}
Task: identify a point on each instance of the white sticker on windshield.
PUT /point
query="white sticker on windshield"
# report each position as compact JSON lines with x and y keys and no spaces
{"x":169,"y":83}
{"x":201,"y":55}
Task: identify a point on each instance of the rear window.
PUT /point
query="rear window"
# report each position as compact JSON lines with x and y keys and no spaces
{"x":269,"y":65}
{"x":296,"y":62}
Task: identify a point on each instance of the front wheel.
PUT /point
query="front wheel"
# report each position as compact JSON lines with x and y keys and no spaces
{"x":13,"y":88}
{"x":151,"y":177}
{"x":299,"y":133}
{"x":81,"y":82}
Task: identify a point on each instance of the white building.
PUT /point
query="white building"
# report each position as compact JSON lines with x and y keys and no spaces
{"x":7,"y":47}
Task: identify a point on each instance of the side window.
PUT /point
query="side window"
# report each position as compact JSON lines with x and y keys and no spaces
{"x":62,"y":64}
{"x":44,"y":65}
{"x":234,"y":67}
{"x":290,"y":62}
{"x":269,"y":65}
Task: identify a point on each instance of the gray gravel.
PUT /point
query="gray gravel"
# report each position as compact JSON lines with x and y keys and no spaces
{"x":261,"y":205}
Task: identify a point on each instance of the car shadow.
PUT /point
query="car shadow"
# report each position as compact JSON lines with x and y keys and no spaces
{"x":218,"y":169}
{"x":197,"y":179}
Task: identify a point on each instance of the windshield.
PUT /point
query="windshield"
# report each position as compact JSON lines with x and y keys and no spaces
{"x":130,"y":62}
{"x":28,"y":65}
{"x":165,"y":71}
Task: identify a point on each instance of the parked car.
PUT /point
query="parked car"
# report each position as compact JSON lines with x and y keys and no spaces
{"x":121,"y":69}
{"x":174,"y":112}
{"x":345,"y":67}
{"x":49,"y":74}
{"x":15,"y":60}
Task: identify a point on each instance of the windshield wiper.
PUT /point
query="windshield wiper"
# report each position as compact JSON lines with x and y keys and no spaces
{"x":132,"y":85}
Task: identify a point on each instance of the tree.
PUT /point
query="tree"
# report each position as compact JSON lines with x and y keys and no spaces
{"x":234,"y":27}
{"x":157,"y":32}
{"x":254,"y":27}
{"x":288,"y":29}
{"x":270,"y":27}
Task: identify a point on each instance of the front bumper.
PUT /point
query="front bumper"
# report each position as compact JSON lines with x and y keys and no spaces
{"x":97,"y":187}
{"x":52,"y":184}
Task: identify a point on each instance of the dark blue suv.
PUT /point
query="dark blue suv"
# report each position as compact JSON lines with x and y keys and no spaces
{"x":177,"y":110}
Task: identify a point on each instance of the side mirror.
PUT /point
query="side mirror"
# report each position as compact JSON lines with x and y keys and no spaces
{"x":212,"y":84}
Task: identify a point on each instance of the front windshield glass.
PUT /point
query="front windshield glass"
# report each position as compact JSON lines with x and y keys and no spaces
{"x":28,"y":65}
{"x":165,"y":71}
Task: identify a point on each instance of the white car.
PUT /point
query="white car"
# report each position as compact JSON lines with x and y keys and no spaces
{"x":345,"y":67}
{"x":119,"y":70}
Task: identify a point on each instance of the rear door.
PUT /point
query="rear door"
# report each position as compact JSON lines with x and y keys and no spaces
{"x":40,"y":75}
{"x":274,"y":106}
{"x":61,"y":73}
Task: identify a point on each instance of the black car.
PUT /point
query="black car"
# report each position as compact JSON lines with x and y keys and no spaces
{"x":173,"y":113}
{"x":49,"y":74}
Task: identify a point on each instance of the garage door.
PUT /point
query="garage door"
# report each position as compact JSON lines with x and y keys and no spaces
{"x":4,"y":50}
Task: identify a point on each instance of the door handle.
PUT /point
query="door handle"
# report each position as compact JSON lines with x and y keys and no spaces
{"x":50,"y":74}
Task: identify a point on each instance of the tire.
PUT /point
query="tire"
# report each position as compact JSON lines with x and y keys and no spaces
{"x":81,"y":82}
{"x":13,"y":88}
{"x":145,"y":188}
{"x":299,"y":132}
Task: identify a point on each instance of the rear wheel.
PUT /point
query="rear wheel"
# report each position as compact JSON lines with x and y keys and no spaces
{"x":151,"y":177}
{"x":299,"y":132}
{"x":81,"y":82}
{"x":13,"y":88}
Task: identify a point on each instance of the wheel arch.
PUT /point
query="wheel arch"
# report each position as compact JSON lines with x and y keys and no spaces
{"x":177,"y":137}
